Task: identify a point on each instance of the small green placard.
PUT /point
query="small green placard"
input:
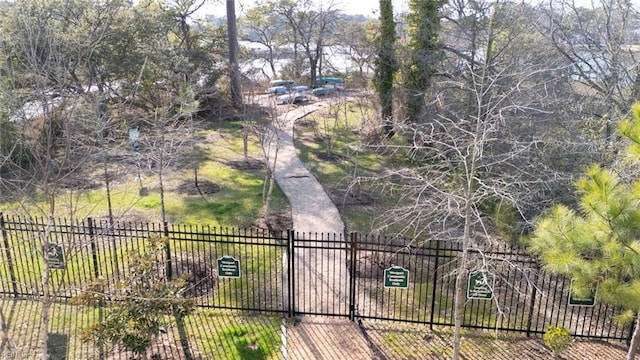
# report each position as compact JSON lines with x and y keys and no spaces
{"x":480,"y":285}
{"x":54,"y":255}
{"x":396,"y":277}
{"x":228,"y":267}
{"x":589,"y":300}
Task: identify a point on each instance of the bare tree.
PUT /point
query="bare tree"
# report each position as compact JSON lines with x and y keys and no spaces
{"x":261,"y":26}
{"x":478,"y":152}
{"x":356,"y":42}
{"x":269,"y":137}
{"x":597,"y":44}
{"x":312,"y":27}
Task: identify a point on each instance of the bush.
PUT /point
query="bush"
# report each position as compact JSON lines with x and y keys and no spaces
{"x":557,"y":339}
{"x":136,"y":308}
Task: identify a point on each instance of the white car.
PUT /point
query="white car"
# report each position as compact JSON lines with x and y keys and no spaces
{"x":277,"y":90}
{"x":291,"y":98}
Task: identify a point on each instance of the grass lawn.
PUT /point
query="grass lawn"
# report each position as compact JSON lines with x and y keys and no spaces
{"x":230,"y":187}
{"x":208,"y":334}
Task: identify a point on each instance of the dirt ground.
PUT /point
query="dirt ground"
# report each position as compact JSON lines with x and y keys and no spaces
{"x":389,"y":340}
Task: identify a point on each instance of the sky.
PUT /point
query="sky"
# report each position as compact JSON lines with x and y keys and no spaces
{"x":352,"y":7}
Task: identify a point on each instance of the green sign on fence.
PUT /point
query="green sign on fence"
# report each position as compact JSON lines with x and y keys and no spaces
{"x":228,"y":267}
{"x":588,"y":300}
{"x":396,"y":277}
{"x":54,"y":255}
{"x":480,"y":285}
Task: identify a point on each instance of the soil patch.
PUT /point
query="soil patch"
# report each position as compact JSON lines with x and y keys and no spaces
{"x":325,"y":156}
{"x":203,"y":188}
{"x":248,"y":164}
{"x":353,"y":197}
{"x":278,"y":223}
{"x":198,"y":273}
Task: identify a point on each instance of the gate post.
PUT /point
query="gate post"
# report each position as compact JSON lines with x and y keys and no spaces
{"x":7,"y":249}
{"x":352,"y":275}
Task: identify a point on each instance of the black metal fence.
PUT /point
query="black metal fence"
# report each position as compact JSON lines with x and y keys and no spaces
{"x":357,"y":277}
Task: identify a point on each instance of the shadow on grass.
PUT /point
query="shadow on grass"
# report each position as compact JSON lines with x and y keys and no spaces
{"x":57,"y":346}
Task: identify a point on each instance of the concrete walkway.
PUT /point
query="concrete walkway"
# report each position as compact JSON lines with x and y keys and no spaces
{"x":311,"y":209}
{"x":313,"y":212}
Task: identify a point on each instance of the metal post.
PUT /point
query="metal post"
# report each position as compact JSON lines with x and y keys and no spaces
{"x":5,"y":239}
{"x":433,"y":288}
{"x":631,"y":330}
{"x":167,"y":249}
{"x":94,"y":250}
{"x":352,"y":276}
{"x":291,"y":273}
{"x":96,"y":273}
{"x":531,"y":308}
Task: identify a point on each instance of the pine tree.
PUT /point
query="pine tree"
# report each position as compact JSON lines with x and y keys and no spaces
{"x":598,"y":245}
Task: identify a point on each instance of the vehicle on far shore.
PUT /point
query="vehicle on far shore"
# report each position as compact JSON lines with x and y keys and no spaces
{"x":284,"y":83}
{"x":326,"y":90}
{"x":291,"y":98}
{"x":299,"y":88}
{"x":328,"y":81}
{"x":277,"y":90}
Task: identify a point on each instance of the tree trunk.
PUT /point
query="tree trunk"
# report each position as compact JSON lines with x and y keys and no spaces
{"x":459,"y":305}
{"x":45,"y":320}
{"x":460,"y":296}
{"x":236,"y":94}
{"x":46,"y":289}
{"x":635,"y":340}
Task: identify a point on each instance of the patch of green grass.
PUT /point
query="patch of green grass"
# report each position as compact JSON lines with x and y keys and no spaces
{"x":246,"y":338}
{"x":260,"y":275}
{"x":359,"y":218}
{"x":23,"y":329}
{"x":250,"y":343}
{"x":392,"y":342}
{"x":238,"y":203}
{"x":208,"y":333}
{"x":442,"y":350}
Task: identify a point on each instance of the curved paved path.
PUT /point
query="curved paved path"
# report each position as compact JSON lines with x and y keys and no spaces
{"x":313,"y":213}
{"x":311,"y":209}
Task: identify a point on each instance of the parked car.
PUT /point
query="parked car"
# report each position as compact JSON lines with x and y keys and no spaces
{"x":299,"y":88}
{"x":291,"y":98}
{"x":282,"y":83}
{"x":277,"y":90}
{"x":326,"y":90}
{"x":328,"y":80}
